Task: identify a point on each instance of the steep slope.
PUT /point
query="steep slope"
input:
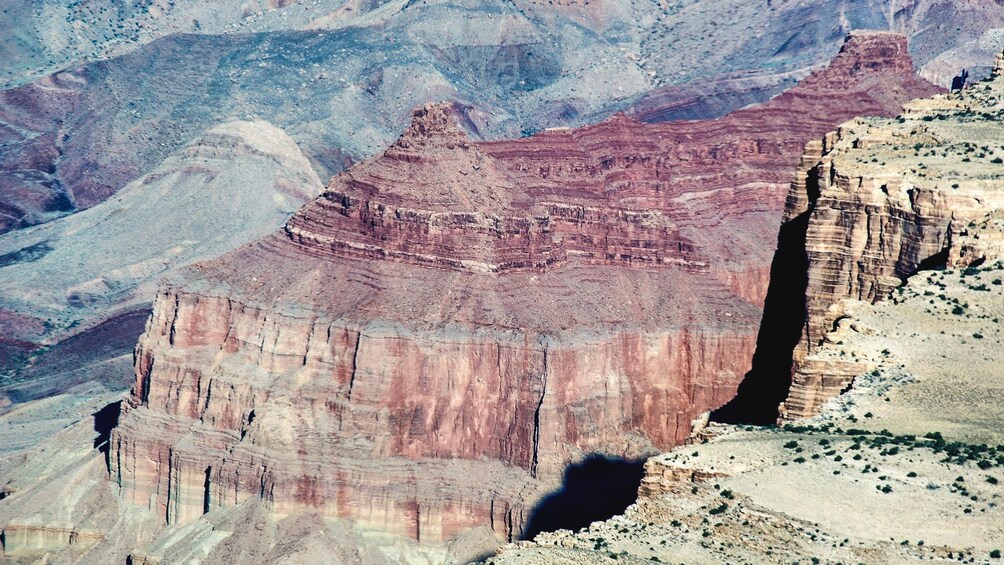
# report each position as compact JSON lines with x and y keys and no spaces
{"x":237,"y":182}
{"x":885,"y":198}
{"x":428,"y":345}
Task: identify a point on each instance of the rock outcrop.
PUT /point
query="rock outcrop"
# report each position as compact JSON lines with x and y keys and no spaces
{"x":886,"y":197}
{"x":425,"y":347}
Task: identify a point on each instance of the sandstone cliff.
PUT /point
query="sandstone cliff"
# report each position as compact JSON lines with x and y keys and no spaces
{"x":425,"y":347}
{"x":884,"y":198}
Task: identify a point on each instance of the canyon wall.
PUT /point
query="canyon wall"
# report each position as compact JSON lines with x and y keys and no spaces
{"x":428,"y":345}
{"x":884,"y":198}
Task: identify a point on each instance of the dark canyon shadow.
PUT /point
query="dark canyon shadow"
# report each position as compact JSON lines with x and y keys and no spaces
{"x":597,"y":488}
{"x":766,"y":385}
{"x":105,"y":421}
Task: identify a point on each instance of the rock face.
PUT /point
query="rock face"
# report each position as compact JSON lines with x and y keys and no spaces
{"x":425,"y":347}
{"x":885,"y":198}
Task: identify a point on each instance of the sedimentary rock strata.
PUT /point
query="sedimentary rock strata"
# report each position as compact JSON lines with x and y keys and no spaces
{"x":426,"y":346}
{"x":886,"y":197}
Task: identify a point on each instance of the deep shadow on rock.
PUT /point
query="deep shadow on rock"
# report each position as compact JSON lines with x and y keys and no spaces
{"x":597,"y":488}
{"x":105,"y":421}
{"x":766,"y":385}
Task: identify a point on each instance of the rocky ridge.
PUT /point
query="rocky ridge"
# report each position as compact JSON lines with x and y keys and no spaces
{"x":98,"y":94}
{"x":454,"y":309}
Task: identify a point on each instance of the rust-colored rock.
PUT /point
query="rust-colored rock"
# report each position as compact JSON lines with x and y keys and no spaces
{"x":426,"y":347}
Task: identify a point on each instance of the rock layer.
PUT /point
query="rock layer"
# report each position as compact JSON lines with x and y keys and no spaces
{"x":888,"y":197}
{"x":426,"y":346}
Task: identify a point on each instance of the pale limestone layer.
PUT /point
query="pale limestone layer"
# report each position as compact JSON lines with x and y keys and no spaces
{"x":887,"y":197}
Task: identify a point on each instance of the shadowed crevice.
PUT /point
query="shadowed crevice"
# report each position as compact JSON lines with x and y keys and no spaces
{"x":105,"y":421}
{"x":766,"y":384}
{"x":935,"y":262}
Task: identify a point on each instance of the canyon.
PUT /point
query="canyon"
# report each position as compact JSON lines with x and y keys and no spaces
{"x":419,"y":358}
{"x":453,"y":310}
{"x":98,"y":95}
{"x":892,"y":430}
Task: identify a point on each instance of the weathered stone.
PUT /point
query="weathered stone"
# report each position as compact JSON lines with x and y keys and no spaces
{"x":888,"y":197}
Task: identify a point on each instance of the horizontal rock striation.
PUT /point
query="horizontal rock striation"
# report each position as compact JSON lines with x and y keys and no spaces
{"x":429,"y":344}
{"x":888,"y":197}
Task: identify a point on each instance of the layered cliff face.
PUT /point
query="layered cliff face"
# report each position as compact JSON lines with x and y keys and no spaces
{"x":884,"y":198}
{"x":426,"y":347}
{"x":397,"y":340}
{"x":904,"y":467}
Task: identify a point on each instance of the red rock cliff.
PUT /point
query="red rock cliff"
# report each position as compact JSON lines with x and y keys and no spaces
{"x":425,"y":347}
